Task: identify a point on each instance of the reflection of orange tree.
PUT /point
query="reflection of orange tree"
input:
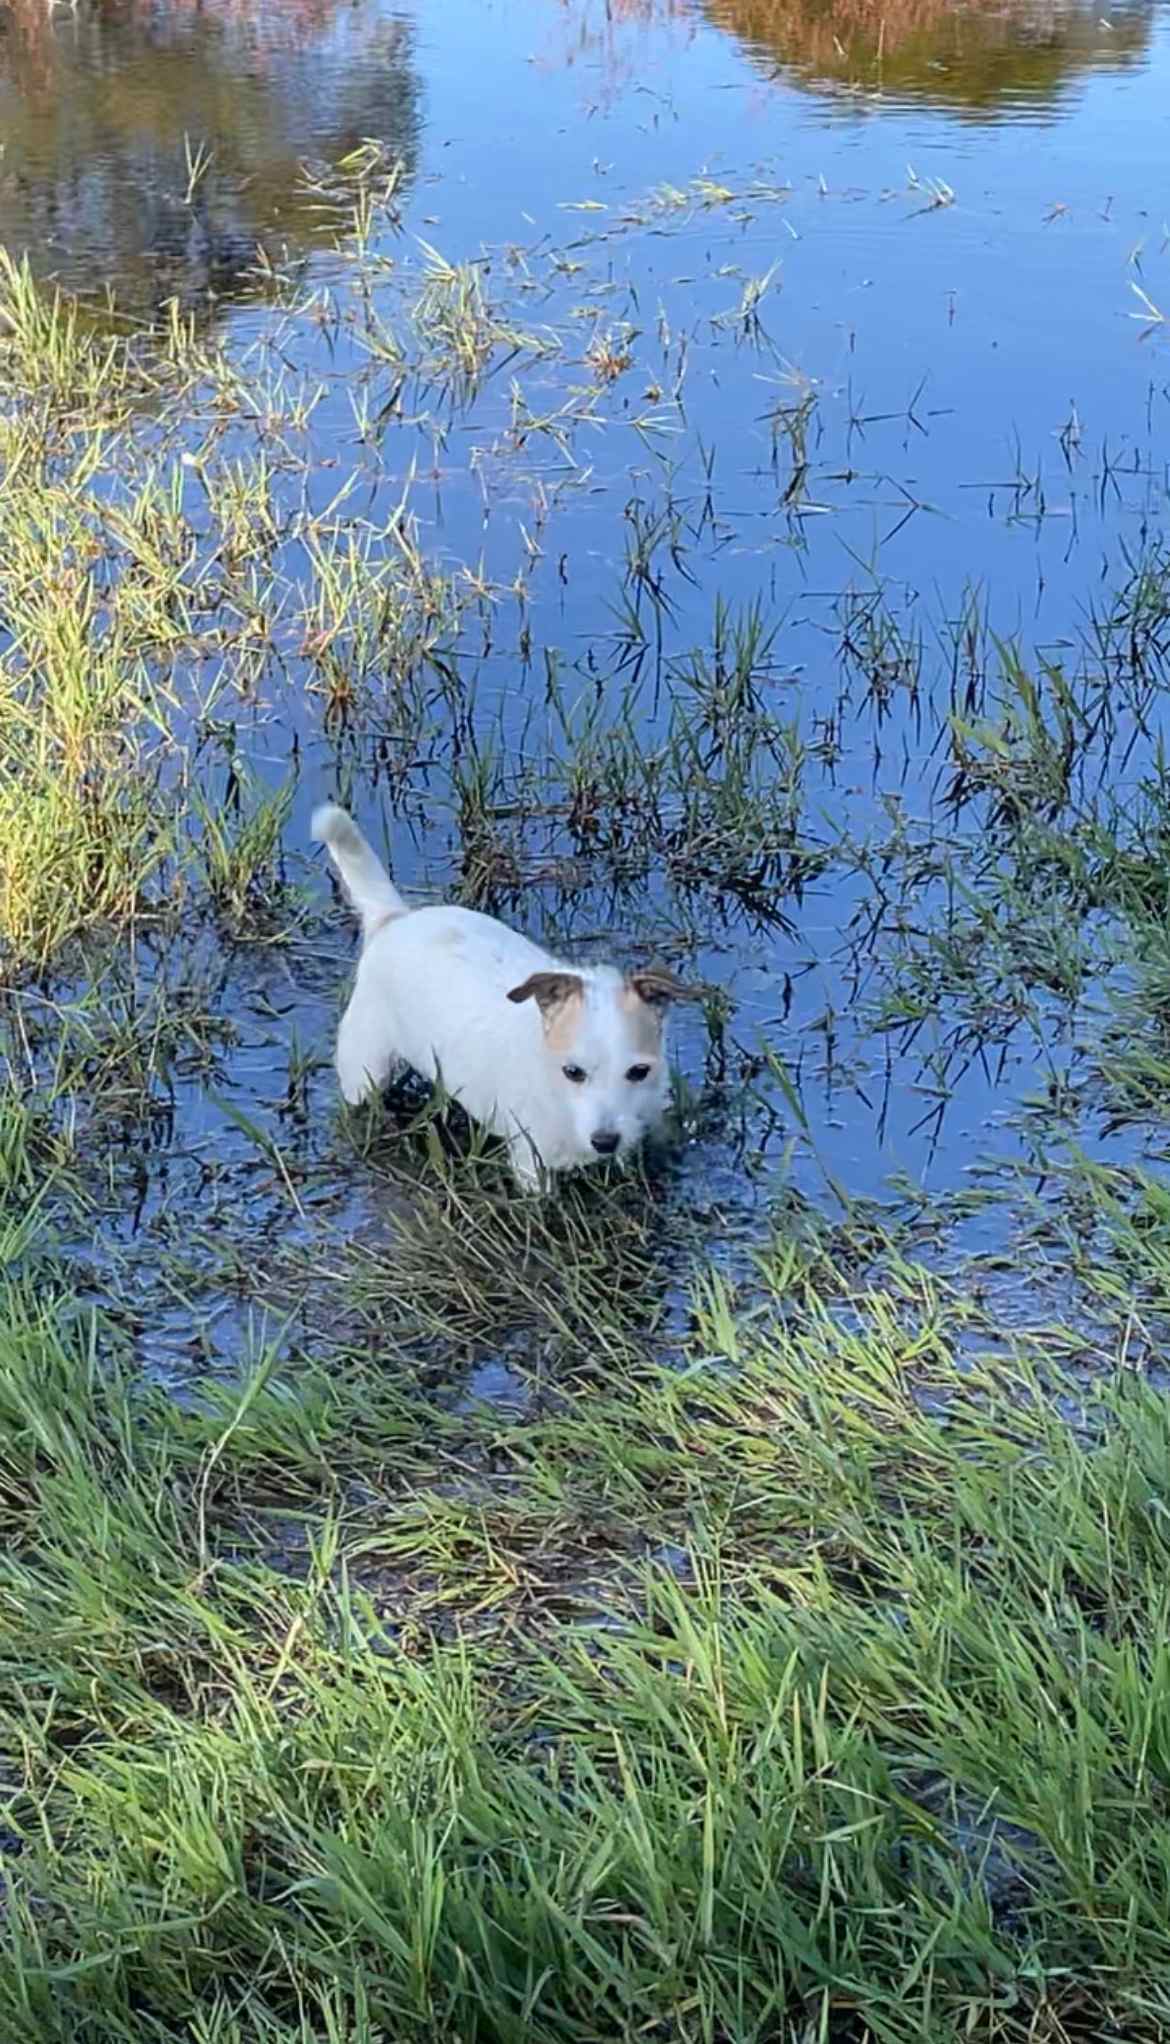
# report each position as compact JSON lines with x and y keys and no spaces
{"x":957,"y":53}
{"x":97,"y":104}
{"x":963,"y":54}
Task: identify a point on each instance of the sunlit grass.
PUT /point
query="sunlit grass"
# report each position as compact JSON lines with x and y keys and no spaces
{"x":726,"y":1699}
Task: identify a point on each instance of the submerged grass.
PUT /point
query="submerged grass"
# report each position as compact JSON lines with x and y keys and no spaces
{"x":782,"y":1655}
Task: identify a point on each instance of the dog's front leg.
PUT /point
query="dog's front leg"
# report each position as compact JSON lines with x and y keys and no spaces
{"x":526,"y":1165}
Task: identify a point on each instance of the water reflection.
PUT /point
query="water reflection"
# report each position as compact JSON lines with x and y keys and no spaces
{"x":962,"y":55}
{"x":103,"y":107}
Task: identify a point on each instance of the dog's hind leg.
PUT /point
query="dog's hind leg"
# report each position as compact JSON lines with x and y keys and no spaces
{"x":366,"y":1057}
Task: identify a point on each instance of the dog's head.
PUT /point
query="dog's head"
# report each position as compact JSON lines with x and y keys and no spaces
{"x":604,"y":1041}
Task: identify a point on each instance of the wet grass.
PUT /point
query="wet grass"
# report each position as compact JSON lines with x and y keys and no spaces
{"x":812,"y":1685}
{"x":726,"y":1601}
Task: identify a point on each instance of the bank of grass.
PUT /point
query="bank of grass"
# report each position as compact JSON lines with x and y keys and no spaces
{"x":810,"y":1686}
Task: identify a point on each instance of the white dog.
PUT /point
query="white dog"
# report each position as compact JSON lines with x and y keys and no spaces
{"x":565,"y":1062}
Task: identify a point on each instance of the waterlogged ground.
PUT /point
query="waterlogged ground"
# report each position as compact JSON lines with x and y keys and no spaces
{"x":693,"y":480}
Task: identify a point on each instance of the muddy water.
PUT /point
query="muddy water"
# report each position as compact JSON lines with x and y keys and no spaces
{"x":953,"y":394}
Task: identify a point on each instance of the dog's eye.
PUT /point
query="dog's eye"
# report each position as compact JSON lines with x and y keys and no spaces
{"x":574,"y":1074}
{"x":637,"y":1073}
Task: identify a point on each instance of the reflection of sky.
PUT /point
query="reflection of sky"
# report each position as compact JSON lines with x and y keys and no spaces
{"x":693,"y":97}
{"x":994,"y":315}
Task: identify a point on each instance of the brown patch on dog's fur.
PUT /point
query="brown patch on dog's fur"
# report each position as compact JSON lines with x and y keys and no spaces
{"x":558,"y":995}
{"x":647,"y":1018}
{"x":657,"y":987}
{"x":561,"y":1022}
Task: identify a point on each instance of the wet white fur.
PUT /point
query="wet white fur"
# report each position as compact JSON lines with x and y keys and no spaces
{"x":432,"y":992}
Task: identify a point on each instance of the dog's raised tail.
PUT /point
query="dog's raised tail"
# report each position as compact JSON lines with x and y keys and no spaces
{"x":363,"y":876}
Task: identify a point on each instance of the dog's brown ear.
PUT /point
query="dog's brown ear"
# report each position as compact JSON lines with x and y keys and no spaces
{"x":548,"y":989}
{"x":658,"y":988}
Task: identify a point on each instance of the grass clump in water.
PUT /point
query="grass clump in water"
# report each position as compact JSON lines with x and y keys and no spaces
{"x":77,"y":807}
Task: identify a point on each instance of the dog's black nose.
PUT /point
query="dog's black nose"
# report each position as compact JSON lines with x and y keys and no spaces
{"x":604,"y":1142}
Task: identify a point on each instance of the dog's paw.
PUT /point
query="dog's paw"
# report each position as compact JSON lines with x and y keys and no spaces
{"x":528,"y":1175}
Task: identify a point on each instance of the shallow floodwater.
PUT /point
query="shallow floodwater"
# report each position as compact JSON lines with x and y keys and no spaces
{"x":925,"y":389}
